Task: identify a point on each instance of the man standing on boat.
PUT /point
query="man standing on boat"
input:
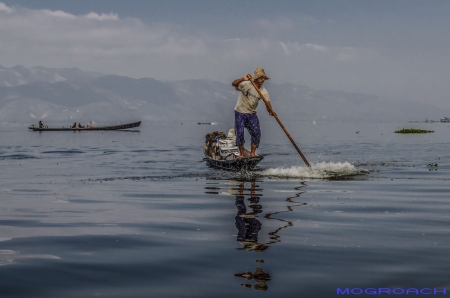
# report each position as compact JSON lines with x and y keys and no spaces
{"x":245,"y":109}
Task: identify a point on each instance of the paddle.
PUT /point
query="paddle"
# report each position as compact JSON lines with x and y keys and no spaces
{"x":281,"y":124}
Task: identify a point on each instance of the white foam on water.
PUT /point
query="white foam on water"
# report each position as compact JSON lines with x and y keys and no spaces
{"x":319,"y":170}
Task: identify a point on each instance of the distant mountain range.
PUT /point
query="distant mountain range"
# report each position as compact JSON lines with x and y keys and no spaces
{"x":67,"y":95}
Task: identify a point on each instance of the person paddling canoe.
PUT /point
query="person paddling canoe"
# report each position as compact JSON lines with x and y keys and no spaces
{"x":245,"y":109}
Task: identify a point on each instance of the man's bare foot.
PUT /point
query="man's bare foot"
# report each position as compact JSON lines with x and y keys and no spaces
{"x":241,"y":156}
{"x":253,"y":152}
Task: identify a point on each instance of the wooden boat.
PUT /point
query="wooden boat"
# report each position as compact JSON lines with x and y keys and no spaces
{"x":109,"y":127}
{"x":221,"y":152}
{"x":238,"y":164}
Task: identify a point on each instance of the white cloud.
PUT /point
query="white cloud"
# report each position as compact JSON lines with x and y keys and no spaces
{"x":107,"y":43}
{"x":52,"y":36}
{"x":102,"y":17}
{"x":128,"y":46}
{"x":314,"y":47}
{"x":5,"y":8}
{"x":342,"y":54}
{"x":58,"y":14}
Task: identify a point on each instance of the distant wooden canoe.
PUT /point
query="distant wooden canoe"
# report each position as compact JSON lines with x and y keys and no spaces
{"x":110,"y":127}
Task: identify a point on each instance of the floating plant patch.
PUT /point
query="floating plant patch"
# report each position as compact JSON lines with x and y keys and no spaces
{"x":413,"y":130}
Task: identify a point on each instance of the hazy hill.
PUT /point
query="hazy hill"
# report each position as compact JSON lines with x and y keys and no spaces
{"x":69,"y":95}
{"x":20,"y":75}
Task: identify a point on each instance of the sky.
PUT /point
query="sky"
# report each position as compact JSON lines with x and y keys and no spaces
{"x":398,"y":49}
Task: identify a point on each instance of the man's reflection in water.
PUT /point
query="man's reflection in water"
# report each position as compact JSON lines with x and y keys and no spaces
{"x":248,"y":227}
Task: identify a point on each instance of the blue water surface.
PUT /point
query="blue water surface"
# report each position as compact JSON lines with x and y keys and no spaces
{"x":139,"y":214}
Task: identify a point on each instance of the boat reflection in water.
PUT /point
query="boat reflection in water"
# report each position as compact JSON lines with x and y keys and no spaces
{"x":248,"y":225}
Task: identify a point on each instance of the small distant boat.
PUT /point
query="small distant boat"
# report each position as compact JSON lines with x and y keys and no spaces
{"x":221,"y":152}
{"x":445,"y":119}
{"x":206,"y":123}
{"x":109,"y":127}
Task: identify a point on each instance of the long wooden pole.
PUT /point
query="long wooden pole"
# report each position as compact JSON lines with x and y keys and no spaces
{"x":281,"y":124}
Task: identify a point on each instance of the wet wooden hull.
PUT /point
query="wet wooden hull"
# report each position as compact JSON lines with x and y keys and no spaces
{"x":247,"y":163}
{"x":110,"y":127}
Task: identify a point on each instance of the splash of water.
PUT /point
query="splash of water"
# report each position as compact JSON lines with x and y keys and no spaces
{"x":321,"y":170}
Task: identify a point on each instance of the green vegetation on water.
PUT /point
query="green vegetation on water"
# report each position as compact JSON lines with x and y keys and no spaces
{"x":413,"y":130}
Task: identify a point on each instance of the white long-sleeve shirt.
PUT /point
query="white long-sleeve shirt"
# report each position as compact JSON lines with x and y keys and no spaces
{"x":249,"y":98}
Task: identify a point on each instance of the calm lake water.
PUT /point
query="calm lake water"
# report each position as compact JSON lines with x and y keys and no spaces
{"x":139,"y":214}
